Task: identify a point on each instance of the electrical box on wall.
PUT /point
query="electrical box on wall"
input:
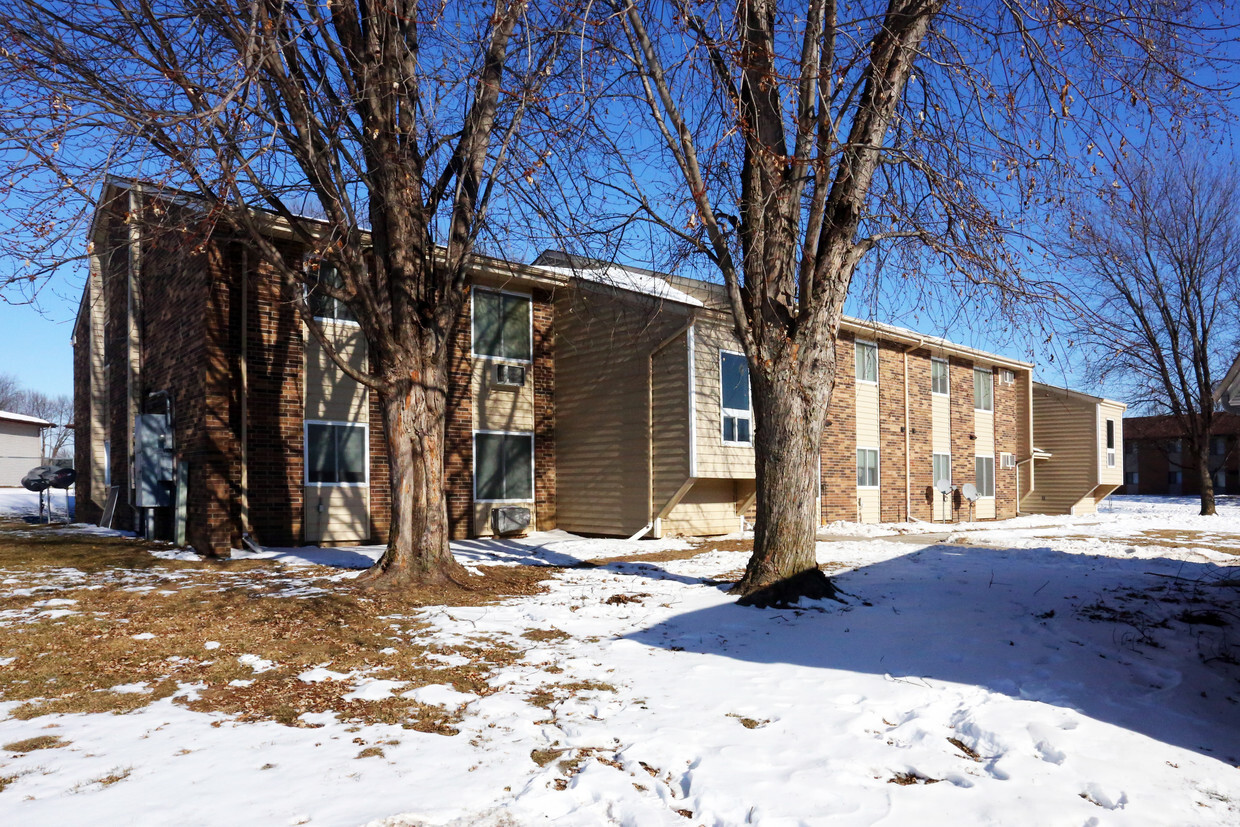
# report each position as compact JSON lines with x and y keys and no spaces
{"x":153,"y":455}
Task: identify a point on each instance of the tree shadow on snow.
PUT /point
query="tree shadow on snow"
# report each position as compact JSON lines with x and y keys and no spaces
{"x":1106,"y":636}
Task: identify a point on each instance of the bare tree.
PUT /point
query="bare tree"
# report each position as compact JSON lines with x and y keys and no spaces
{"x":58,"y":410}
{"x":390,"y":120}
{"x":782,"y":144}
{"x":10,"y":393}
{"x":1153,"y":268}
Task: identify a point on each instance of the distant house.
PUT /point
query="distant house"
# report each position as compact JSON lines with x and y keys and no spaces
{"x":21,"y":446}
{"x":1157,"y":461}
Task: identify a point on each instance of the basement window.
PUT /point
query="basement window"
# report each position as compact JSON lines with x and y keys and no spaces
{"x":503,"y":466}
{"x":503,"y":325}
{"x":336,"y":453}
{"x":734,"y":396}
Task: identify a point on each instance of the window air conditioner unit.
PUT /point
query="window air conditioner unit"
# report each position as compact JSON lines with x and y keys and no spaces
{"x":1007,"y":377}
{"x":1007,"y":461}
{"x":509,"y":519}
{"x":510,"y":375}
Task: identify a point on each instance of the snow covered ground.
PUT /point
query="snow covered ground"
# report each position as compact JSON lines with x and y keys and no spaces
{"x":1035,"y":671}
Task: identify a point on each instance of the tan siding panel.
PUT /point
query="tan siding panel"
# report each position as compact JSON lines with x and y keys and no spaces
{"x":337,"y":514}
{"x":941,"y":413}
{"x":984,"y":430}
{"x":714,"y":459}
{"x":330,"y":393}
{"x":500,"y":407}
{"x":708,"y":508}
{"x":1110,"y":475}
{"x":670,"y":400}
{"x":1066,"y":428}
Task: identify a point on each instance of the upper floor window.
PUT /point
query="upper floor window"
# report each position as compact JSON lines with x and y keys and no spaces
{"x":502,"y":325}
{"x":734,"y":398}
{"x":983,"y":389}
{"x":1218,"y":445}
{"x":323,"y":306}
{"x":939,"y":382}
{"x":1110,"y":443}
{"x":1173,"y":446}
{"x":867,"y":362}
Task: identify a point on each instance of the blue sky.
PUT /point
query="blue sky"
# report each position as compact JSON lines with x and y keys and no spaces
{"x":34,"y":345}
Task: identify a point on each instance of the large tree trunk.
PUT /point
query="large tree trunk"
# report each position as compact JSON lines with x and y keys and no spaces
{"x":1202,"y":455}
{"x":787,"y":437}
{"x":418,"y":552}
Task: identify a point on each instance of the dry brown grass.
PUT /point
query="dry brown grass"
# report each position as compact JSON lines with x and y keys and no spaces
{"x":297,"y":619}
{"x":1162,"y":538}
{"x":38,"y":742}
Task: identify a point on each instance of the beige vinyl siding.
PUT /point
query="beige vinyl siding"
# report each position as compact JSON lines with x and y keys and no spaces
{"x":602,"y":406}
{"x":709,"y":507}
{"x":940,"y":443}
{"x":1067,"y":428}
{"x":334,"y":513}
{"x":869,"y":500}
{"x":714,"y":459}
{"x":337,"y":514}
{"x":332,"y":395}
{"x":670,"y":401}
{"x":1110,"y":475}
{"x":20,"y":450}
{"x":500,"y":407}
{"x":984,"y":446}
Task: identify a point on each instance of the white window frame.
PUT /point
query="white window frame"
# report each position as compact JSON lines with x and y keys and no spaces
{"x":878,"y":468}
{"x":305,"y":446}
{"x":309,"y":288}
{"x":473,"y":449}
{"x":988,"y":372}
{"x":475,"y":354}
{"x":993,"y":481}
{"x":857,"y":348}
{"x":735,"y":413}
{"x":947,"y":375}
{"x":1111,"y":432}
{"x":935,"y":481}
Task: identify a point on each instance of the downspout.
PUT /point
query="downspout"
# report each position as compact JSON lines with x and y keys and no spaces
{"x":685,"y":329}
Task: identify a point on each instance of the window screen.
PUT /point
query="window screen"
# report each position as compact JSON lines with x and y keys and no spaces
{"x":867,"y":362}
{"x":503,"y":466}
{"x":938,"y":377}
{"x":335,"y":453}
{"x":985,"y":476}
{"x":867,"y":467}
{"x":734,"y":396}
{"x":983,"y":390}
{"x":501,"y":325}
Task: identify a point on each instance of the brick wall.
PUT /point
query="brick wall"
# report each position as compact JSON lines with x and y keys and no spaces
{"x":459,"y":452}
{"x":544,"y":410}
{"x":380,"y":474}
{"x":86,"y":509}
{"x":921,"y":432}
{"x":115,"y":263}
{"x":839,"y":439}
{"x":891,"y":452}
{"x":1007,"y":440}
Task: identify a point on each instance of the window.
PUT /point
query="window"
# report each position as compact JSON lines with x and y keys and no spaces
{"x":1174,"y":477}
{"x":1130,"y":447}
{"x":938,"y":377}
{"x":1220,"y":482}
{"x":1110,"y":443}
{"x":1218,"y":445}
{"x":985,"y":467}
{"x":503,"y":466}
{"x":942,"y":468}
{"x":734,"y":396}
{"x":1173,"y":446}
{"x":336,"y":453}
{"x":983,"y":389}
{"x":1130,"y":478}
{"x":867,"y":362}
{"x":325,"y":307}
{"x":501,"y":325}
{"x":867,"y":468}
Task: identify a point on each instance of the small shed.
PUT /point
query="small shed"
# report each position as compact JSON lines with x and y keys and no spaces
{"x":21,"y":446}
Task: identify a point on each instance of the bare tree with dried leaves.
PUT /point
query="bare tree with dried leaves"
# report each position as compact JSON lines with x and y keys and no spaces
{"x":1152,"y":269}
{"x":392,"y":121}
{"x":783,"y":144}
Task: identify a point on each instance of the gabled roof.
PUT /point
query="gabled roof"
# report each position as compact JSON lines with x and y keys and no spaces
{"x":27,"y":420}
{"x":1222,"y":390}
